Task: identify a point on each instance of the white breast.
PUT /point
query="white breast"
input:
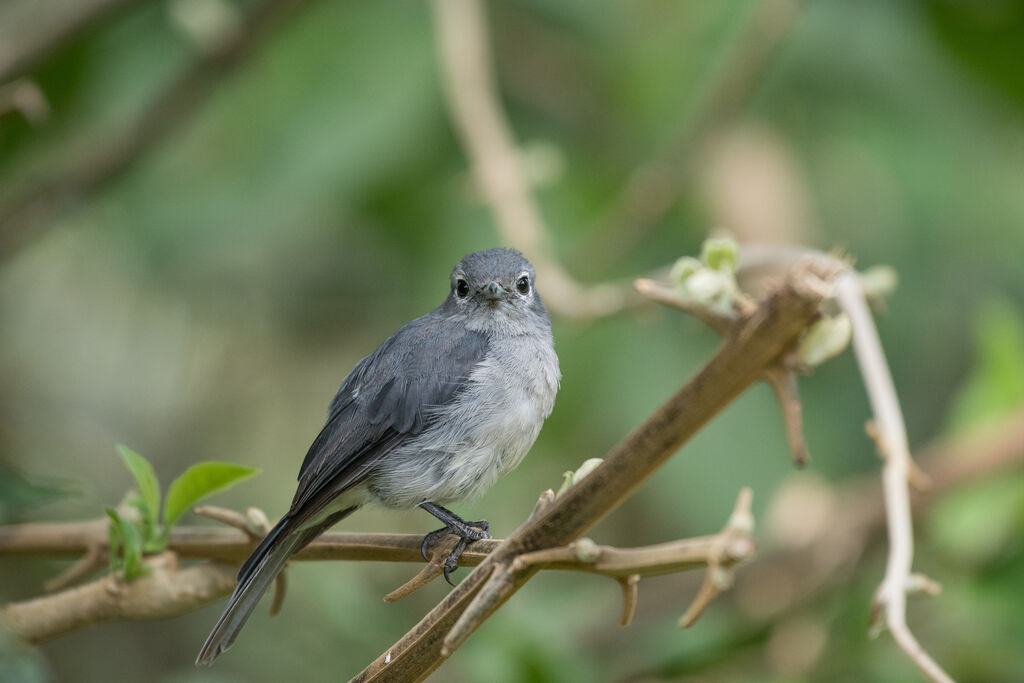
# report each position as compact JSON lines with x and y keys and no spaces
{"x":485,"y":433}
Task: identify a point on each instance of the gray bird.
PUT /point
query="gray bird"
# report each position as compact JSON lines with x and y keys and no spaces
{"x":436,"y":414}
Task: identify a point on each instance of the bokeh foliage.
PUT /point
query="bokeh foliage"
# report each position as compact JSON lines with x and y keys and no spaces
{"x":205,"y":303}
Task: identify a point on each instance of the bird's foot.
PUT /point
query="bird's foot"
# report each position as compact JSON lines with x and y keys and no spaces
{"x":453,"y":524}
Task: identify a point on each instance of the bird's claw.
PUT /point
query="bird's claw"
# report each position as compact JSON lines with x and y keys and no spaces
{"x":467,"y":533}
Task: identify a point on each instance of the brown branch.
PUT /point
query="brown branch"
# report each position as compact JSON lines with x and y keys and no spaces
{"x":26,"y":216}
{"x":756,"y":343}
{"x":783,"y":383}
{"x":667,"y":295}
{"x":166,"y":591}
{"x":781,"y":377}
{"x":72,"y":539}
{"x":480,"y":123}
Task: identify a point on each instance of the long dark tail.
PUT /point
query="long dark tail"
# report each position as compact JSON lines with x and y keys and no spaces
{"x":255,"y":577}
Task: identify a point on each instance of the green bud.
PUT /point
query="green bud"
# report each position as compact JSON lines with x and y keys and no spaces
{"x":586,"y":468}
{"x":825,"y":339}
{"x":586,"y":550}
{"x":720,"y":253}
{"x":683,"y":269}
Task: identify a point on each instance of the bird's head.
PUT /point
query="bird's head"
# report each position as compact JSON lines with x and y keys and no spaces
{"x":495,"y":289}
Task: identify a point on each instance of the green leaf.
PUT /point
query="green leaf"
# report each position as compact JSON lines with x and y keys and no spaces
{"x":129,"y":546}
{"x":149,"y":489}
{"x":199,"y":481}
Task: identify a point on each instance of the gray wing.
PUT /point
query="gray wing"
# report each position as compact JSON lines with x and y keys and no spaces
{"x":388,"y":398}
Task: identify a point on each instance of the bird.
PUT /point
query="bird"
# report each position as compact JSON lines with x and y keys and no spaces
{"x":436,"y":414}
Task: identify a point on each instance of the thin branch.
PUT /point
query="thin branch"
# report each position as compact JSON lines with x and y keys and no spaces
{"x":168,"y":591}
{"x":757,"y":342}
{"x":473,"y":102}
{"x":433,"y":569}
{"x":895,"y":471}
{"x":732,"y":545}
{"x":668,"y":296}
{"x":897,"y":464}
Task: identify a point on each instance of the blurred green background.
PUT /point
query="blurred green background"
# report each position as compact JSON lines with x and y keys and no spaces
{"x":308,"y":196}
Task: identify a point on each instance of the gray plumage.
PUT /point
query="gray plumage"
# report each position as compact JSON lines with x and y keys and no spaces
{"x":440,"y":410}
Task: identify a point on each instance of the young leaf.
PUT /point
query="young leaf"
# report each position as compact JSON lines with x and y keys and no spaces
{"x":115,"y":541}
{"x":199,"y":481}
{"x":149,"y":489}
{"x":129,"y":546}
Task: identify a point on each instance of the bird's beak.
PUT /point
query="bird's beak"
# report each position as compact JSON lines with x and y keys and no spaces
{"x":493,"y":292}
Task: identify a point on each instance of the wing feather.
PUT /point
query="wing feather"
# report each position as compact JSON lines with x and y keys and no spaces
{"x":390,"y":396}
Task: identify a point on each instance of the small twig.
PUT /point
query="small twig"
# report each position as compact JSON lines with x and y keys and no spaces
{"x":669,"y":296}
{"x":430,"y":571}
{"x":708,"y":591}
{"x":783,"y":383}
{"x":86,"y":565}
{"x":280,"y":590}
{"x":230,"y":517}
{"x":630,"y":595}
{"x":732,"y":545}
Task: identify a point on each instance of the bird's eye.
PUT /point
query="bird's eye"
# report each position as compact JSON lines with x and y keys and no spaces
{"x":462,"y":288}
{"x":523,"y":284}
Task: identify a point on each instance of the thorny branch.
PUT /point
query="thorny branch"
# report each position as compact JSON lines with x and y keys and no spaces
{"x":892,"y":442}
{"x":896,"y":469}
{"x":168,"y":590}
